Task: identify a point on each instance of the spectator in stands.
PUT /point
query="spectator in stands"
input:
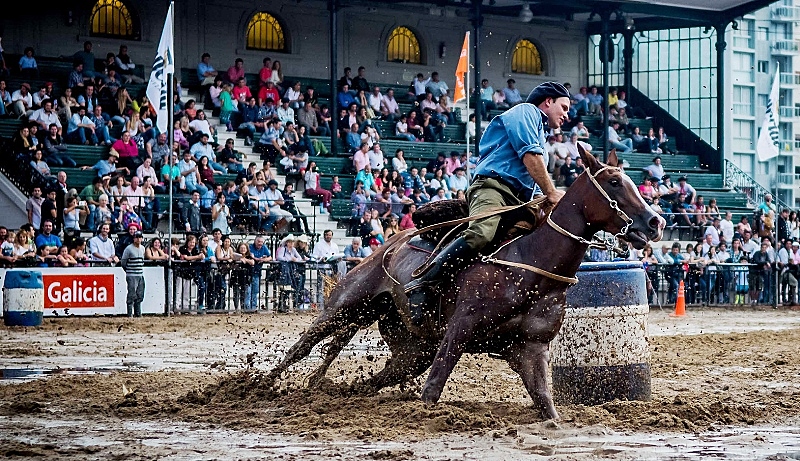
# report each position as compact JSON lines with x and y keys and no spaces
{"x":401,"y":129}
{"x":77,"y":78}
{"x":260,"y":254}
{"x":38,"y":164}
{"x":344,"y":98}
{"x":314,"y":187}
{"x":444,"y":111}
{"x":686,"y":189}
{"x":236,"y":71}
{"x":22,"y":142}
{"x":436,"y":86}
{"x":22,"y":101}
{"x":499,"y":99}
{"x":101,"y":247}
{"x":128,"y":151}
{"x":205,"y":71}
{"x":81,"y":130}
{"x":389,"y":108}
{"x":101,"y":126}
{"x":295,"y":96}
{"x":556,"y":153}
{"x":275,"y":201}
{"x":86,"y":58}
{"x":192,"y":180}
{"x":229,"y":157}
{"x":263,"y":78}
{"x":761,"y":281}
{"x":190,"y":215}
{"x":50,"y":210}
{"x":289,"y":205}
{"x":276,"y":77}
{"x":595,"y":104}
{"x":614,"y":140}
{"x":126,"y":66}
{"x":451,"y":164}
{"x":486,"y":98}
{"x":307,"y":117}
{"x":157,"y":151}
{"x":511,"y":93}
{"x":28,"y":68}
{"x":471,"y":127}
{"x":5,"y":98}
{"x":726,"y":227}
{"x":571,"y":146}
{"x":240,"y":92}
{"x":655,"y":169}
{"x":47,"y":238}
{"x":45,"y":116}
{"x":203,"y":149}
{"x":284,"y":112}
{"x":663,"y":139}
{"x":56,"y":149}
{"x":33,"y":207}
{"x":458,"y":181}
{"x":568,"y":172}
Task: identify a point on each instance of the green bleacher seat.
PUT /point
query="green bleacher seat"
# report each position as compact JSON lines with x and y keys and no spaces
{"x":341,"y":209}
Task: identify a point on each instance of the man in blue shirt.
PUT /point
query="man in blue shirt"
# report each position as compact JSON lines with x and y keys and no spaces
{"x":512,"y":168}
{"x":47,"y":238}
{"x":260,"y":254}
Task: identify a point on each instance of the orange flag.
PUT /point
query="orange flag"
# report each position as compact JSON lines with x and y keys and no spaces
{"x":461,"y":69}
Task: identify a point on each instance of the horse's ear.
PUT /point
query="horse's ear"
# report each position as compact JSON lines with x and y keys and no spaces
{"x":612,"y":158}
{"x":592,"y":164}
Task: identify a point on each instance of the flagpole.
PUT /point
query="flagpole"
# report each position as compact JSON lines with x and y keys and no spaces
{"x":466,"y":93}
{"x":171,"y":140}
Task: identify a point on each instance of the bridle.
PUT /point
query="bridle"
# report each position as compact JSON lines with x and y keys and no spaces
{"x":609,"y":244}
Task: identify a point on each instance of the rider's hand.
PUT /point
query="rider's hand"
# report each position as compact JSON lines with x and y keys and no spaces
{"x":555,"y":196}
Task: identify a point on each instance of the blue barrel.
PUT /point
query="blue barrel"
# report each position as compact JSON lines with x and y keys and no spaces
{"x":601,"y":353}
{"x":23,"y":298}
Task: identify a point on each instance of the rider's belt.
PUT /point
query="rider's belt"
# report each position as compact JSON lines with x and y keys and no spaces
{"x":523,"y":196}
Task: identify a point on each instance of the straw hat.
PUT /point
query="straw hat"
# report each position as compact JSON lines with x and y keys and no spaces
{"x":288,"y":238}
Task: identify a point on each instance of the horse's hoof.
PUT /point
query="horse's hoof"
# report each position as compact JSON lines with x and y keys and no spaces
{"x":428,"y":397}
{"x":552,"y":423}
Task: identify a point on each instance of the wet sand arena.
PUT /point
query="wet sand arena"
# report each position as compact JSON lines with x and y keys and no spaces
{"x":726,"y":384}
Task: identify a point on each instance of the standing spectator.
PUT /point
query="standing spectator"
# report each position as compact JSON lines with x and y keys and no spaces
{"x":761,"y":281}
{"x":221,"y":215}
{"x":33,"y":206}
{"x":360,"y":81}
{"x":190,"y":216}
{"x":260,"y":255}
{"x":133,"y":262}
{"x":86,"y":58}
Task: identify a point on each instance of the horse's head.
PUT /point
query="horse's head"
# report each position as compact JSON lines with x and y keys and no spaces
{"x":612,"y":203}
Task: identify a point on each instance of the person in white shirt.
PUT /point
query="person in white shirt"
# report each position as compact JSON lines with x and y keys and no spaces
{"x":389,"y":107}
{"x":376,"y":158}
{"x":328,"y":251}
{"x":46,"y":116}
{"x":615,"y":142}
{"x":420,"y":83}
{"x":22,"y":101}
{"x":146,"y":169}
{"x":295,"y":96}
{"x":556,"y":152}
{"x":101,"y":247}
{"x":284,"y":112}
{"x":726,"y":227}
{"x":200,"y":124}
{"x":275,"y":200}
{"x":713,"y":231}
{"x":375,"y":99}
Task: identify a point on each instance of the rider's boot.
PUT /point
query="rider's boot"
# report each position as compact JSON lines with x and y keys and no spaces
{"x":454,"y":257}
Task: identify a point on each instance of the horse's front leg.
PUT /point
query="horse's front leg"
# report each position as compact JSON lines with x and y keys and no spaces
{"x":531,"y":359}
{"x":459,"y":331}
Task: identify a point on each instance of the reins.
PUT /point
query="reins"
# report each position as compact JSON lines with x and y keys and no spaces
{"x":608,"y":244}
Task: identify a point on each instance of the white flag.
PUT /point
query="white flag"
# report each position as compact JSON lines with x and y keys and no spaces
{"x":164,"y":64}
{"x":768,"y":140}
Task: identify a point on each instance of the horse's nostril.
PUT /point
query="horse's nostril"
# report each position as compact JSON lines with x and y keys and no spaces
{"x":656,"y":223}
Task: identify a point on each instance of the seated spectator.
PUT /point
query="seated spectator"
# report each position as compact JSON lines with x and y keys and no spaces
{"x":264,"y":75}
{"x":102,"y":126}
{"x":236,"y":71}
{"x":314,"y":188}
{"x":655,"y":169}
{"x":28,"y":68}
{"x":486,"y":98}
{"x":556,"y":153}
{"x":81,"y":130}
{"x":276,"y":77}
{"x":77,"y":78}
{"x":126,"y":66}
{"x":368,"y":181}
{"x":568,"y":172}
{"x":307,"y":117}
{"x":614,"y":140}
{"x":229,"y":157}
{"x":390,"y":110}
{"x":580,"y":130}
{"x":46,"y":116}
{"x":595,"y":102}
{"x":458,"y":182}
{"x":22,"y":101}
{"x":240,"y":92}
{"x":471,"y":127}
{"x":5,"y":98}
{"x":355,"y":252}
{"x":203,"y":149}
{"x":191,"y":178}
{"x":344,"y":98}
{"x":499,"y":99}
{"x":56,"y":149}
{"x":295,"y":96}
{"x":511,"y":93}
{"x":401,"y":129}
{"x":39,"y":164}
{"x":289,"y":205}
{"x":128,"y":151}
{"x":662,"y":141}
{"x":205,"y":71}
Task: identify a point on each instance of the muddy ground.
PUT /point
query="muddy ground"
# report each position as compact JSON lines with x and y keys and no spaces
{"x":725,"y":383}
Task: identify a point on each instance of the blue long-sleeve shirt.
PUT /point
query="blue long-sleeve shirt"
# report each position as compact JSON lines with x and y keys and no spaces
{"x":512,"y":135}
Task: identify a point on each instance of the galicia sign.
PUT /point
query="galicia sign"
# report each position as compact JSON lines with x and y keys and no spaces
{"x":78,"y":291}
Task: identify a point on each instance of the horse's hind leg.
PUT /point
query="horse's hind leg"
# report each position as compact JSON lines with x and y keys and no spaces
{"x":530,"y":360}
{"x":318,"y":331}
{"x":410,"y":355}
{"x":332,"y":350}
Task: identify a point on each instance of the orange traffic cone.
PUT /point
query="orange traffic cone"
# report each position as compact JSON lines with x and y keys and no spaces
{"x":680,"y":303}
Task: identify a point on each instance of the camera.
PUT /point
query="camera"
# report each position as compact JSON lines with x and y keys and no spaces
{"x":82,"y":204}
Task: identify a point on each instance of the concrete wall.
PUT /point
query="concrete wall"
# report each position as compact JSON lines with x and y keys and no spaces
{"x":219,"y":28}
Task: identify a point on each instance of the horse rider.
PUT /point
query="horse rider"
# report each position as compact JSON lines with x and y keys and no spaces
{"x":512,"y":169}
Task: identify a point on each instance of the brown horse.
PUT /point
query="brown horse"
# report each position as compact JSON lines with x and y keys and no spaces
{"x":491,"y":307}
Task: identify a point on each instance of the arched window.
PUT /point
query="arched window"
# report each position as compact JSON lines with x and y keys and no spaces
{"x":264,"y":32}
{"x":526,"y":58}
{"x":403,"y":46}
{"x":112,"y":18}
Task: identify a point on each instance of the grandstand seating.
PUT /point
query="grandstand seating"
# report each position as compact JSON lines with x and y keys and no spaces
{"x":416,"y":153}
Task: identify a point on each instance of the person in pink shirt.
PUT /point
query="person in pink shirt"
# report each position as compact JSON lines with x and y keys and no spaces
{"x":236,"y":71}
{"x":452,"y":163}
{"x":361,"y":157}
{"x":127,"y":150}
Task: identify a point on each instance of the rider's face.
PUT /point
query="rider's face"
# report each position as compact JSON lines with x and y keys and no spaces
{"x":557,"y":112}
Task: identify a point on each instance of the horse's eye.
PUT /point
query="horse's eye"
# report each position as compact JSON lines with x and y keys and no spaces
{"x":614,"y":182}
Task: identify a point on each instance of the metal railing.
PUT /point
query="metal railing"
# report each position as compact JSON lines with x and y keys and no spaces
{"x":721,"y":284}
{"x":787,"y":46}
{"x":740,"y":181}
{"x":790,"y":78}
{"x":784,"y":13}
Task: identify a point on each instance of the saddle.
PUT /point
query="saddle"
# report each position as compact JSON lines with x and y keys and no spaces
{"x":512,"y":224}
